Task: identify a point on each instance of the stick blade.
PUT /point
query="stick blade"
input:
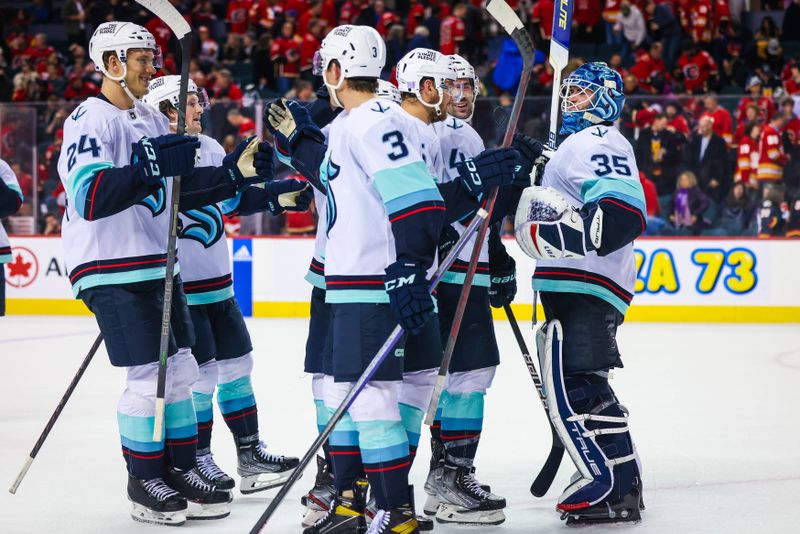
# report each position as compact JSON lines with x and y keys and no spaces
{"x":171,"y":16}
{"x":550,"y":468}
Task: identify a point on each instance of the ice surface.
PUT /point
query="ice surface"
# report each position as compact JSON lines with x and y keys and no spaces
{"x":713,"y":412}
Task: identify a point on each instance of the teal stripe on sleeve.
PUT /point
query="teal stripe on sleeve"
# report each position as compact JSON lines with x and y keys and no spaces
{"x":628,"y":191}
{"x":14,"y":187}
{"x":398,"y":182}
{"x":209,"y":297}
{"x":79,"y":181}
{"x":231,"y":204}
{"x":406,"y":201}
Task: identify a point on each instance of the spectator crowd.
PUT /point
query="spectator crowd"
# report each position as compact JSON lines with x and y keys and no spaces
{"x":713,"y":86}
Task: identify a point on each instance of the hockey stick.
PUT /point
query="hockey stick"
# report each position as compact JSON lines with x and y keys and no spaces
{"x":551,"y":465}
{"x":53,"y":418}
{"x":559,"y":56}
{"x":510,"y":22}
{"x":365,"y":377}
{"x":172,"y":18}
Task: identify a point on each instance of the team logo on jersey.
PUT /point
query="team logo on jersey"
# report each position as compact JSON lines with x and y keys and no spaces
{"x":157,"y":201}
{"x":80,"y":112}
{"x":455,"y":124}
{"x":599,"y":132}
{"x":329,"y":172}
{"x":380,"y":108}
{"x":207,"y":227}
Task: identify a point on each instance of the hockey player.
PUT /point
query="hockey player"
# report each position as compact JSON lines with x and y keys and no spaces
{"x":10,"y":203}
{"x":222,"y":343}
{"x":580,"y":228}
{"x":116,"y":166}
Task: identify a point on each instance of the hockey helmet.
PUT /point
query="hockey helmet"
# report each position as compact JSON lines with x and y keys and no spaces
{"x":388,"y":91}
{"x":466,"y":71}
{"x":593,"y":94}
{"x":120,"y":37}
{"x":169,"y":88}
{"x":425,"y":63}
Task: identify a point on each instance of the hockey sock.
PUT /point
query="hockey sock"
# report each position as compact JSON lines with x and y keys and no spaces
{"x":323,"y":415}
{"x":235,"y":398}
{"x":414,"y":396}
{"x":202,"y":395}
{"x":135,"y":416}
{"x":384,"y":451}
{"x":436,"y":427}
{"x":180,"y":420}
{"x":462,"y":422}
{"x":412,"y":421}
{"x":344,"y":452}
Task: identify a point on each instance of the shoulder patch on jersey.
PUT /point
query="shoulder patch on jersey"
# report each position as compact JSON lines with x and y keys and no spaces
{"x":80,"y":112}
{"x":379,"y":108}
{"x":598,"y":131}
{"x":454,"y":124}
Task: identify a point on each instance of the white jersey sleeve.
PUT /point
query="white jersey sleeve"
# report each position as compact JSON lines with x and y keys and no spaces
{"x":8,"y":177}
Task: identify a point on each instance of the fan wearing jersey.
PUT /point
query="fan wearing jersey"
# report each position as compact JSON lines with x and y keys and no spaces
{"x":116,"y":168}
{"x":222,"y":348}
{"x":10,"y":202}
{"x":580,"y":226}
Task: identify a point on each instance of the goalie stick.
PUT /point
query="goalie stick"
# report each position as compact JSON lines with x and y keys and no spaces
{"x":53,"y":418}
{"x":511,"y":23}
{"x":481,"y":216}
{"x":559,"y":56}
{"x":164,"y":10}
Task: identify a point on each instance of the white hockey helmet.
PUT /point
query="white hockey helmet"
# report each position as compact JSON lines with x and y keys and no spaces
{"x":388,"y":91}
{"x":169,"y":88}
{"x":465,"y":70}
{"x":120,"y":37}
{"x":424,"y":63}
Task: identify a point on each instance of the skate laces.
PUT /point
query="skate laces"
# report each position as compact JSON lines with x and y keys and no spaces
{"x":319,"y":522}
{"x":159,"y":489}
{"x":209,"y":468}
{"x":472,"y":484}
{"x":379,"y":522}
{"x":261,"y":450}
{"x":196,"y":482}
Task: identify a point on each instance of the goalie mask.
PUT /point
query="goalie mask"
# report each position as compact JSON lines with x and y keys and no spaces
{"x":593,"y":94}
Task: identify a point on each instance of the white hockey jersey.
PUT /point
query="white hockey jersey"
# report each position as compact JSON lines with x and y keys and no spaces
{"x":460,"y":141}
{"x":374,"y":171}
{"x":202,"y":246}
{"x":129,"y":246}
{"x":10,"y":179}
{"x":593,"y":164}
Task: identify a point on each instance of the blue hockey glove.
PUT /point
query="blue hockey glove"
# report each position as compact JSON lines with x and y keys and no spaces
{"x":164,"y":156}
{"x":503,"y":283}
{"x":288,"y":195}
{"x":493,"y":167}
{"x":529,"y":151}
{"x":287,"y":121}
{"x":408,"y":295}
{"x":241,"y":164}
{"x":263,"y":162}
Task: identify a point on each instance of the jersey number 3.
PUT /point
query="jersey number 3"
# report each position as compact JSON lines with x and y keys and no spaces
{"x":396,"y":142}
{"x":620,"y":164}
{"x":81,"y":147}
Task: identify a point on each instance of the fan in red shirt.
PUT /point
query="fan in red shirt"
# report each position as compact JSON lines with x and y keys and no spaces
{"x":416,"y":14}
{"x":452,"y":30}
{"x":721,"y":16}
{"x":350,"y":11}
{"x":238,"y":16}
{"x":649,"y":69}
{"x":160,"y":31}
{"x":751,"y":113}
{"x":542,"y":15}
{"x":792,"y":123}
{"x":770,"y":149}
{"x":309,"y":46}
{"x":39,"y":50}
{"x":766,"y":108}
{"x":792,"y":84}
{"x":723,"y":123}
{"x":586,"y":17}
{"x":698,"y":68}
{"x":285,"y":52}
{"x":747,"y":154}
{"x":677,"y":123}
{"x":245,"y":125}
{"x":264,"y":13}
{"x":700,"y":21}
{"x":80,"y":90}
{"x":225,"y":87}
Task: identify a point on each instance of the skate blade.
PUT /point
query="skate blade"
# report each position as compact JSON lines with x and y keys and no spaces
{"x":620,"y":516}
{"x":454,"y":514}
{"x":312,"y":516}
{"x":431,"y":505}
{"x":146,"y":515}
{"x":207,"y":512}
{"x":264,"y":481}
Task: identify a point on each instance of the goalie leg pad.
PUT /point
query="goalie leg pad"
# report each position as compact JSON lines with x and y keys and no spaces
{"x":592,"y":426}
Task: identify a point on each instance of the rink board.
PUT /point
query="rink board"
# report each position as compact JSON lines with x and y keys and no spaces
{"x":678,"y":280}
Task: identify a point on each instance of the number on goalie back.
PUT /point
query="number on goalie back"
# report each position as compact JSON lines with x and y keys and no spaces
{"x":620,"y":164}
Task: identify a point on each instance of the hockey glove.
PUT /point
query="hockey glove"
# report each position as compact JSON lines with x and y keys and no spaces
{"x":164,"y":156}
{"x":491,"y":168}
{"x":447,"y":240}
{"x":548,"y":227}
{"x":288,"y":195}
{"x":408,"y":295}
{"x":287,"y":121}
{"x":241,"y":164}
{"x":529,"y":151}
{"x":263,"y":162}
{"x":502,"y":271}
{"x":539,"y":165}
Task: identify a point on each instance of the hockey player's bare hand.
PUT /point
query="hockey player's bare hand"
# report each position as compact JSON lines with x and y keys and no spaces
{"x":288,"y":195}
{"x":529,"y":151}
{"x":287,"y":121}
{"x":409,"y":299}
{"x":164,"y":156}
{"x":494,"y":167}
{"x":241,"y":164}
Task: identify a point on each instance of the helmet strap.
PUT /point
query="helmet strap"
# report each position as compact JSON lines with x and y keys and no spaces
{"x":333,"y":88}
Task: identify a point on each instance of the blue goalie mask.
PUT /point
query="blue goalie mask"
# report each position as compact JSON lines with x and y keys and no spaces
{"x":590,"y":95}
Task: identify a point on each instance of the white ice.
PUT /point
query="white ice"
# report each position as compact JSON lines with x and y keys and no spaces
{"x":713,"y":412}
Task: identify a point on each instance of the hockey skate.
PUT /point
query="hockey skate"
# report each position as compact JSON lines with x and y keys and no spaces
{"x":204,"y":500}
{"x":395,"y":521}
{"x":155,"y":502}
{"x":464,"y":501}
{"x":434,"y":477}
{"x":626,"y":510}
{"x":261,"y":470}
{"x":345,"y":515}
{"x":423,"y":523}
{"x":211,"y":473}
{"x":318,"y":500}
